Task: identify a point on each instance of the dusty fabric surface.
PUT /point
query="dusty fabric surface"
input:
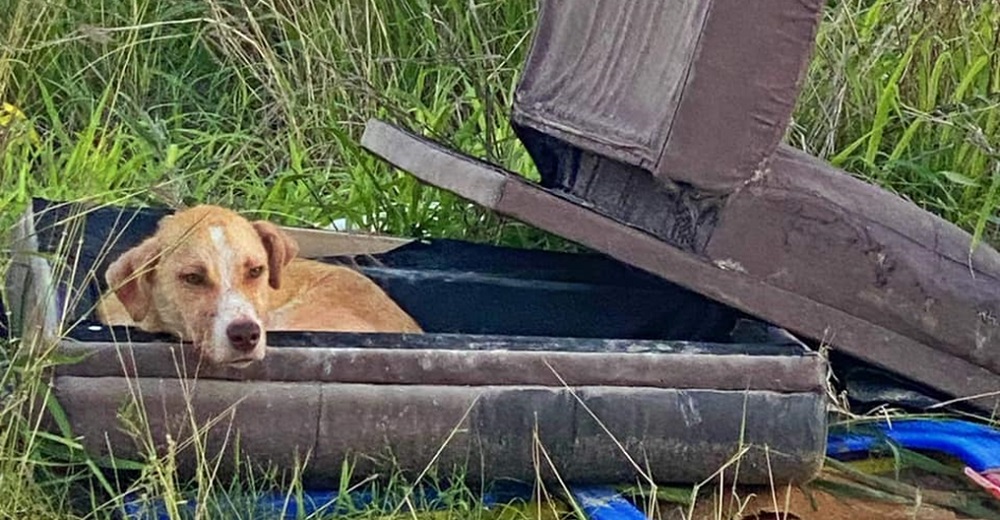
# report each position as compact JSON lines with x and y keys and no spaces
{"x":491,"y":430}
{"x":691,"y":91}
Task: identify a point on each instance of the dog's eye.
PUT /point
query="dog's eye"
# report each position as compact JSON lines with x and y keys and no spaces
{"x":255,"y":272}
{"x":193,"y":279}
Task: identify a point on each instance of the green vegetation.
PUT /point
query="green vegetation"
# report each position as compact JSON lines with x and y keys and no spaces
{"x":907,"y":95}
{"x":259,"y":106}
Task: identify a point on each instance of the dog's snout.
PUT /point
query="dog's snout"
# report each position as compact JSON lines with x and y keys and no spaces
{"x":243,"y":335}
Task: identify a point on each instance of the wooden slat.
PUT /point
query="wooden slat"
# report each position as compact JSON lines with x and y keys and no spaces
{"x":316,"y":243}
{"x":479,"y":175}
{"x":29,"y":288}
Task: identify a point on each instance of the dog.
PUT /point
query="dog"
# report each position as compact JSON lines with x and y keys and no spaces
{"x":220,"y":282}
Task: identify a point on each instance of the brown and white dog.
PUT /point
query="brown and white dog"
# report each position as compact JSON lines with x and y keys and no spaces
{"x":219,"y":281}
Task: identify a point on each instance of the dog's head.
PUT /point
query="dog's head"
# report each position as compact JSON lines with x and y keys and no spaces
{"x":206,"y":276}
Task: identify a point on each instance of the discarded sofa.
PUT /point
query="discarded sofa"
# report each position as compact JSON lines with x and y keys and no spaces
{"x":612,"y":372}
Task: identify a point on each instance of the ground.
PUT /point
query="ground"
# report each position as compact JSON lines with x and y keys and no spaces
{"x":259,"y":106}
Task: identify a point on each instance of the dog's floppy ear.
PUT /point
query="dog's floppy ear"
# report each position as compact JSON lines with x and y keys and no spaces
{"x":130,"y":278}
{"x":281,"y":249}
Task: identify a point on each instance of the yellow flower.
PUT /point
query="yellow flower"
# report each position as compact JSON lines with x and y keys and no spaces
{"x":11,"y":118}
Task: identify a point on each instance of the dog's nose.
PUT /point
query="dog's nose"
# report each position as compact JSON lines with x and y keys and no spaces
{"x":243,"y":335}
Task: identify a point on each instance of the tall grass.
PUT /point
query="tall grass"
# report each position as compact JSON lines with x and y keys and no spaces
{"x":259,"y":105}
{"x":907,"y":95}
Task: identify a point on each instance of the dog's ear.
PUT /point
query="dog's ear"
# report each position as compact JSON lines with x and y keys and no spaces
{"x":130,"y":277}
{"x":281,"y":249}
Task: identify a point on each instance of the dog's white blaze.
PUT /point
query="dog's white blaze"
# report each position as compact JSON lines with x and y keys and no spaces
{"x":232,"y":305}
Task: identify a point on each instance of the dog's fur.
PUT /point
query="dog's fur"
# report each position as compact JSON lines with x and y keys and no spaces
{"x":219,"y":281}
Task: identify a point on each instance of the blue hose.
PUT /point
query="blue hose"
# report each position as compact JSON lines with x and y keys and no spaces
{"x":598,"y":503}
{"x":976,"y":445}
